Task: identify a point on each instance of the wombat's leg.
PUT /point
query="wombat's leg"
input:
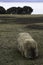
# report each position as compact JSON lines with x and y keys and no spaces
{"x":22,"y":52}
{"x":36,"y":52}
{"x":25,"y":53}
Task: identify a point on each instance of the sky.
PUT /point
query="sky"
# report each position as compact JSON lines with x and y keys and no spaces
{"x":21,"y":0}
{"x":37,"y":6}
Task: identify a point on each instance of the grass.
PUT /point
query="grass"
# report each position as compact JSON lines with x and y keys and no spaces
{"x":21,"y":18}
{"x":8,"y":54}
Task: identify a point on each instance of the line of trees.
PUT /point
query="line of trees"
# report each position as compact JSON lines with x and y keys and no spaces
{"x":16,"y":10}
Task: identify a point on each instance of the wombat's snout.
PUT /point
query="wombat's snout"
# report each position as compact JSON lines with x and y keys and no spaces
{"x":33,"y":53}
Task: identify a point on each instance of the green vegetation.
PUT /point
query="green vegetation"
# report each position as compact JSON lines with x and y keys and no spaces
{"x":8,"y":54}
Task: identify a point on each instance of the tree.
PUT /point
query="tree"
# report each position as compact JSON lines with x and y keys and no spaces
{"x":11,"y":10}
{"x":19,"y":10}
{"x":2,"y":10}
{"x":27,"y":10}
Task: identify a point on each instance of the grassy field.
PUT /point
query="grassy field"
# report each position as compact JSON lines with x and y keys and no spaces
{"x":21,"y":18}
{"x":8,"y":54}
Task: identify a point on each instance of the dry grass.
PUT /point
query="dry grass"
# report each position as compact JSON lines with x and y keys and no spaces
{"x":8,"y":54}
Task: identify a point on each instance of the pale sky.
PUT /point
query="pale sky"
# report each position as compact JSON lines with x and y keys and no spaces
{"x":37,"y":6}
{"x":21,"y":0}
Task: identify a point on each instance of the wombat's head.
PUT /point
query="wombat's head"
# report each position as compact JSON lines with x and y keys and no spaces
{"x":32,"y":53}
{"x":31,"y":50}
